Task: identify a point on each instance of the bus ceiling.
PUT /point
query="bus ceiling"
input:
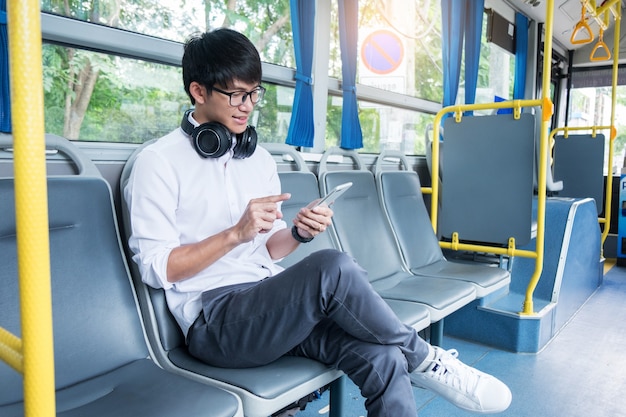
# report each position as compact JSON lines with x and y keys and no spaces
{"x":575,"y":29}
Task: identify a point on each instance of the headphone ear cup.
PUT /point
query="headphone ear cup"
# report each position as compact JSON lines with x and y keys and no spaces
{"x":211,"y":140}
{"x":246,"y":143}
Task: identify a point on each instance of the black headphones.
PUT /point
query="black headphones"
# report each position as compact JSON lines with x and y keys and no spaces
{"x":212,"y":139}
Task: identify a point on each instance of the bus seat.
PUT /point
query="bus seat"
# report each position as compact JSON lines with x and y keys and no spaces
{"x":401,"y":197}
{"x":362,"y":231}
{"x":101,"y":357}
{"x":579,"y":161}
{"x":304,"y":188}
{"x":264,"y":390}
{"x":302,"y":184}
{"x":552,"y":185}
{"x":428,"y":145}
{"x":488,"y":190}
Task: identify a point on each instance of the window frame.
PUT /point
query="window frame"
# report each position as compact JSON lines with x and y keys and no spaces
{"x":70,"y":32}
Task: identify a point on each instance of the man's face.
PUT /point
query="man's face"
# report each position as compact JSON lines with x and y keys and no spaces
{"x":229,"y":106}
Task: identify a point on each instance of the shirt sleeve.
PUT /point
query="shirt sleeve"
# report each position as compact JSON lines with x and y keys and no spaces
{"x":151,"y":195}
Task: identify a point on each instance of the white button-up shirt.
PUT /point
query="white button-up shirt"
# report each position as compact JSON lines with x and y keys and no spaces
{"x":175,"y":197}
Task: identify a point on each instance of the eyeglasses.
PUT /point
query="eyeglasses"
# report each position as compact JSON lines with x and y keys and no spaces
{"x":237,"y":98}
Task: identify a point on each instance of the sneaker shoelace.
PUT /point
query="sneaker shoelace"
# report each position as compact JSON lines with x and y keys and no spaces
{"x":450,"y":371}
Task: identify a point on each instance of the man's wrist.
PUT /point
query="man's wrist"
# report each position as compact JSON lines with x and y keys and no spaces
{"x":298,"y":237}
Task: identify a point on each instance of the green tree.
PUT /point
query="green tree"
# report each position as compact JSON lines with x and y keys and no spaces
{"x":99,"y":97}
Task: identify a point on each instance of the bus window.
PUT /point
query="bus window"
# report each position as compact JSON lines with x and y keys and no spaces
{"x":265,"y":22}
{"x":591,"y":106}
{"x":384,"y":127}
{"x":495,"y":76}
{"x":91,"y":96}
{"x":273,"y":115}
{"x":98,"y":97}
{"x":399,"y":47}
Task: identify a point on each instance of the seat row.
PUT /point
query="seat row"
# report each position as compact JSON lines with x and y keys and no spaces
{"x":119,"y":351}
{"x":383,"y":223}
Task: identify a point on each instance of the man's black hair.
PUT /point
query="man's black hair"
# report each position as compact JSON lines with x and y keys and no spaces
{"x":218,"y":58}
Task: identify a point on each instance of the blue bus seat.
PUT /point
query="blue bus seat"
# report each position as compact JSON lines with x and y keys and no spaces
{"x":428,"y":145}
{"x":401,"y":197}
{"x":552,"y":185}
{"x":579,"y":162}
{"x":304,"y":188}
{"x":263,"y":390}
{"x":302,"y":184}
{"x":487,"y":194}
{"x":363,"y":232}
{"x":101,"y":358}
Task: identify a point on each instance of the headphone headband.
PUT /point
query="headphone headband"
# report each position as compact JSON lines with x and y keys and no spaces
{"x":213,"y":140}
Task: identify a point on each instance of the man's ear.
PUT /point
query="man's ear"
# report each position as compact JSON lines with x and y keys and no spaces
{"x":198,"y":92}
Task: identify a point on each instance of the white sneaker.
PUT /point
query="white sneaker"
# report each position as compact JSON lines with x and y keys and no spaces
{"x":463,"y":386}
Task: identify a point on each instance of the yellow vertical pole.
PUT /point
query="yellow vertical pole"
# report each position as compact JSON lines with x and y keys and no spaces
{"x":24,"y":29}
{"x":613,"y":133}
{"x":546,"y":114}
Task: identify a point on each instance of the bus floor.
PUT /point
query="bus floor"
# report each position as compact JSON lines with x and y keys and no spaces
{"x":580,"y":373}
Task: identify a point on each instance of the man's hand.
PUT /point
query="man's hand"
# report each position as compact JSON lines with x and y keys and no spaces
{"x":312,"y":222}
{"x":259,"y":216}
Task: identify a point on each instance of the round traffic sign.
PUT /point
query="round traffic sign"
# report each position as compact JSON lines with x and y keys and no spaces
{"x":382,"y":52}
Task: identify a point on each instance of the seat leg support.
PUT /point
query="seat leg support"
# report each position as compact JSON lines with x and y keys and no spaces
{"x":436,"y":333}
{"x":337,"y":391}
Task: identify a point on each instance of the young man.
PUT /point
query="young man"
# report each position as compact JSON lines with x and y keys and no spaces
{"x":204,"y":204}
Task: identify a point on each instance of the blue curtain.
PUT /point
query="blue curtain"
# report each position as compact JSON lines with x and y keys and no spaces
{"x":452,"y":12}
{"x":5,"y":92}
{"x":461,"y":19}
{"x":473,"y":32}
{"x":351,"y":134}
{"x":521,"y":55}
{"x":301,"y":128}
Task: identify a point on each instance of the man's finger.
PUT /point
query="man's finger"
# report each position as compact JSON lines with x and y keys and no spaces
{"x":273,"y":198}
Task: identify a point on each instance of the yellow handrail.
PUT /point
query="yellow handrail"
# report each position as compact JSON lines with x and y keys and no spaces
{"x":617,"y":14}
{"x":601,"y":13}
{"x":546,"y":113}
{"x":31,"y":209}
{"x":606,"y":220}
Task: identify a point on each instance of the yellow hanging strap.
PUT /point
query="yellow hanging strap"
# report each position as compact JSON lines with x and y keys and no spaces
{"x":581,"y":28}
{"x":604,"y":54}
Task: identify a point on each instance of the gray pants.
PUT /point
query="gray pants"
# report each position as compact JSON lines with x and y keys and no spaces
{"x":321,"y":308}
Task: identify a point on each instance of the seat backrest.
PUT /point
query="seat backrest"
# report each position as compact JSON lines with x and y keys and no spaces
{"x":401,"y":197}
{"x":163,"y":333}
{"x":302,"y":184}
{"x":359,"y":221}
{"x":95,"y":319}
{"x":552,"y":185}
{"x":428,"y":145}
{"x":488,"y":187}
{"x":579,"y":162}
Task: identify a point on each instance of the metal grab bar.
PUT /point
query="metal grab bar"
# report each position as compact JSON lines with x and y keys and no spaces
{"x":546,"y":113}
{"x":33,"y":354}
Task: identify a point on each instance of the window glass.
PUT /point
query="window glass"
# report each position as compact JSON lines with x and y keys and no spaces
{"x":384,"y":127}
{"x":496,"y":73}
{"x":97,"y":97}
{"x":273,"y":114}
{"x":591,"y":106}
{"x":399,"y":47}
{"x":266,"y":22}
